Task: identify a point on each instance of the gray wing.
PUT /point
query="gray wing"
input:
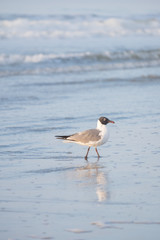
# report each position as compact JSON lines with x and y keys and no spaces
{"x":86,"y":136}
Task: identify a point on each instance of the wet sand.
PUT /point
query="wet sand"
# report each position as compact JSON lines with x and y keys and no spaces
{"x":48,"y":190}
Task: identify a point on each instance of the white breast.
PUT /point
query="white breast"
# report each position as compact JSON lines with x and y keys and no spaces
{"x":104,"y":133}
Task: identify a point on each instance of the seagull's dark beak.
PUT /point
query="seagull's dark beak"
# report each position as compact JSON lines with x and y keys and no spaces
{"x":111,"y":121}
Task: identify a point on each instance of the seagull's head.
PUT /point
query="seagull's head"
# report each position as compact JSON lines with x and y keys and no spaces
{"x":105,"y":121}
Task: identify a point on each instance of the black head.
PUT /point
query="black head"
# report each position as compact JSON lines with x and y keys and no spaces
{"x":105,"y":120}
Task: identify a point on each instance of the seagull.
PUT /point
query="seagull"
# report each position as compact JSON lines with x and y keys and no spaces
{"x":91,"y":137}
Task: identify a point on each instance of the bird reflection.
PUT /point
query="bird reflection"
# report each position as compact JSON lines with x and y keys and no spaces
{"x":101,"y":189}
{"x":92,"y":175}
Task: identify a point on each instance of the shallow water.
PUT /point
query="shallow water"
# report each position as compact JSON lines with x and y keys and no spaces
{"x":48,"y":190}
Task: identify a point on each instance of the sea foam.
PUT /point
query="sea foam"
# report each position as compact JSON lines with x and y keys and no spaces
{"x":75,"y":27}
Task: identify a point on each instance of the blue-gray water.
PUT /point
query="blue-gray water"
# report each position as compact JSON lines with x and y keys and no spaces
{"x":58,"y":74}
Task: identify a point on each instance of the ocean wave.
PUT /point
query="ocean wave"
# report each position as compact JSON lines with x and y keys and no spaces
{"x":75,"y":62}
{"x":82,"y":57}
{"x":49,"y":70}
{"x":77,"y":26}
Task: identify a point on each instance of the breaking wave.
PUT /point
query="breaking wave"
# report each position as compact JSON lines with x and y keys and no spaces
{"x":33,"y":64}
{"x":76,"y":26}
{"x":107,"y":56}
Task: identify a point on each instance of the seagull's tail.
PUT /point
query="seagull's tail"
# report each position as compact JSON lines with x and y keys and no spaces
{"x":62,"y":137}
{"x":65,"y":138}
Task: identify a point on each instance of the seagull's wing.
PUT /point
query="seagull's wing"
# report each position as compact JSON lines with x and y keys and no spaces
{"x":91,"y":135}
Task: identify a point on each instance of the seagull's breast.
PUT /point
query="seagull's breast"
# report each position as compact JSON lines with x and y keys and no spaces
{"x":104,"y":136}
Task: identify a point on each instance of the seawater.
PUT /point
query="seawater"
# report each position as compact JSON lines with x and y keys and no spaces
{"x":58,"y":74}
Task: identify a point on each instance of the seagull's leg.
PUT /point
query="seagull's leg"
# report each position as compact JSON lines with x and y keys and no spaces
{"x":97,"y":153}
{"x":87,"y":153}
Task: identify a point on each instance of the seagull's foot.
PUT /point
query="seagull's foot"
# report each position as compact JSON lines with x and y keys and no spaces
{"x":86,"y":158}
{"x":97,"y":153}
{"x":98,"y":158}
{"x":87,"y":154}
